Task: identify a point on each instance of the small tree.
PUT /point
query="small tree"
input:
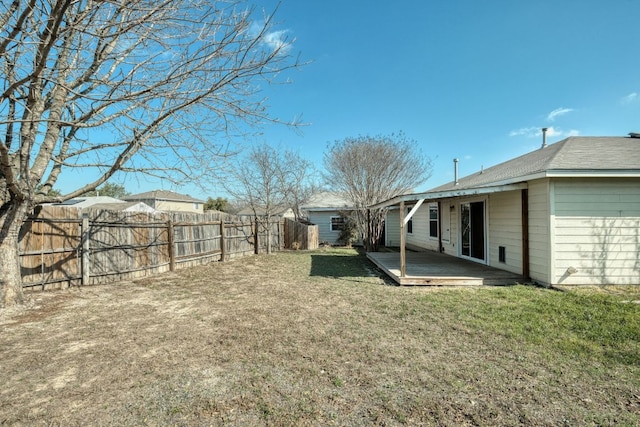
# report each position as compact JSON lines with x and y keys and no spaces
{"x":268,"y":181}
{"x":218,"y":204}
{"x":116,"y":191}
{"x":369,"y":170}
{"x":298,"y":181}
{"x":349,"y":233}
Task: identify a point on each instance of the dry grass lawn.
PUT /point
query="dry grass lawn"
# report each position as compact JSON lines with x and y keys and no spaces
{"x":318,"y":338}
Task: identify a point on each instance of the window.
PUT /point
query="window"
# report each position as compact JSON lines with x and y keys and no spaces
{"x":196,"y":206}
{"x":337,"y":223}
{"x":433,"y":221}
{"x":410,"y":226}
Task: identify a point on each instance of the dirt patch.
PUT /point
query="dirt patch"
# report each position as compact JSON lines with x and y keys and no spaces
{"x":294,"y":338}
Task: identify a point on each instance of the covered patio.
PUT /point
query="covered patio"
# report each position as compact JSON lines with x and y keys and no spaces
{"x":433,"y":268}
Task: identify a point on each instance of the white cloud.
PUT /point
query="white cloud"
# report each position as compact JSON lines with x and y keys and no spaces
{"x":558,"y":112}
{"x":632,"y":97}
{"x":277,"y":40}
{"x":528,"y":132}
{"x":535,"y":132}
{"x":561,"y":133}
{"x":274,"y":40}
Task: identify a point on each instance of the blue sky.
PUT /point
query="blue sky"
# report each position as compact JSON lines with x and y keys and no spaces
{"x":469,"y":79}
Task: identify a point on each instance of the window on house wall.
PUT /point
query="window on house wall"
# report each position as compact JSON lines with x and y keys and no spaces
{"x":409,"y":224}
{"x":337,"y":223}
{"x":433,"y":221}
{"x":196,"y":206}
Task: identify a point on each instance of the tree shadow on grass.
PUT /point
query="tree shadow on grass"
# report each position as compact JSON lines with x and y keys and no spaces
{"x":339,"y":264}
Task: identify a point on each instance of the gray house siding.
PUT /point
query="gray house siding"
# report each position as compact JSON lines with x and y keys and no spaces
{"x":323,"y":220}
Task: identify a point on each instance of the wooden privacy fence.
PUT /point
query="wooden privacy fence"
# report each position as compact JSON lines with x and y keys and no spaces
{"x":61,"y":246}
{"x":300,"y":235}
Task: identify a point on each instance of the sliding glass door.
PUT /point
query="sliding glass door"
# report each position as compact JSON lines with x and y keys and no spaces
{"x":472,"y":230}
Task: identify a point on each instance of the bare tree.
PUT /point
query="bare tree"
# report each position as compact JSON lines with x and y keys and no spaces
{"x":367,"y":170}
{"x":118,"y":86}
{"x":269,"y":181}
{"x":298,"y":179}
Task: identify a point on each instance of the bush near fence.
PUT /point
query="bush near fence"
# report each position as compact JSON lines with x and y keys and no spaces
{"x":62,"y":246}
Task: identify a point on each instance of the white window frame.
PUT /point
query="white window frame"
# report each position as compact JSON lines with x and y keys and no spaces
{"x":433,"y":207}
{"x":344,"y":220}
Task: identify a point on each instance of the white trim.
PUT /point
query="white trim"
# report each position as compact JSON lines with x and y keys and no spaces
{"x":485,"y":226}
{"x":437,"y":220}
{"x":478,"y":191}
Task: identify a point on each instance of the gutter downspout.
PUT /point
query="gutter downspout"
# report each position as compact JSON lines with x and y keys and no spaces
{"x":525,"y":234}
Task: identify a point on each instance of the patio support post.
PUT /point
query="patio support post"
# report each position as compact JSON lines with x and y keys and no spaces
{"x":403,"y":255}
{"x":440,"y":247}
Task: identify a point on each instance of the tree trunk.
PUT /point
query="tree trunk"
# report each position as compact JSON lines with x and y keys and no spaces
{"x":268,"y":234}
{"x":12,"y":216}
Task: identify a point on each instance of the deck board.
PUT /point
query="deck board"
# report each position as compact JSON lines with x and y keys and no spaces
{"x":432,"y":268}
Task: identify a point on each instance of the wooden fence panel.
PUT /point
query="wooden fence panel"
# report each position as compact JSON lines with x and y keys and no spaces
{"x":239,"y":239}
{"x":49,"y":248}
{"x":127,"y":244}
{"x":61,"y":246}
{"x":298,"y":235}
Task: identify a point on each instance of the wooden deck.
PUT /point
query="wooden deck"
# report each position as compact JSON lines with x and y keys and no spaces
{"x":432,"y":268}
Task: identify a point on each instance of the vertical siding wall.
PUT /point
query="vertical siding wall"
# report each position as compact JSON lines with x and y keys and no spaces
{"x":539,"y":229}
{"x":597,"y":231}
{"x":392,"y":228}
{"x":505,"y":229}
{"x":419,"y":239}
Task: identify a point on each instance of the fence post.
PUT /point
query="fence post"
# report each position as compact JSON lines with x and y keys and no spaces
{"x":223,"y":245}
{"x":86,"y":261}
{"x":172,"y":254}
{"x":256,"y":250}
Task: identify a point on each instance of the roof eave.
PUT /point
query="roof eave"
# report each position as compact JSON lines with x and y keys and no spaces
{"x":593,"y":173}
{"x":463,"y":192}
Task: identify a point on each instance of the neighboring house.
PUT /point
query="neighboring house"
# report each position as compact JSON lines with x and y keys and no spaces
{"x":168,"y":201}
{"x":106,"y":203}
{"x":326,"y":210}
{"x":125,"y":207}
{"x":567,"y":213}
{"x":282,"y":213}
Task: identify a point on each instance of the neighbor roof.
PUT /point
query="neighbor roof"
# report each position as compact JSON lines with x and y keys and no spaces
{"x":87,"y":201}
{"x":162,"y":195}
{"x":326,"y":200}
{"x":574,"y":156}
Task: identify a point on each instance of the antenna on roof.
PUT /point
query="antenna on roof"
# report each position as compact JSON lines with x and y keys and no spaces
{"x":544,"y":137}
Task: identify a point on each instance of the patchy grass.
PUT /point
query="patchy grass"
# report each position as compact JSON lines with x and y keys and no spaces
{"x":317,"y":338}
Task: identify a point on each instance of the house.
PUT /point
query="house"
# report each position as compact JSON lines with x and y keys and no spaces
{"x":168,"y":201}
{"x":106,"y":203}
{"x":328,"y":211}
{"x":260,"y":212}
{"x":565,"y":214}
